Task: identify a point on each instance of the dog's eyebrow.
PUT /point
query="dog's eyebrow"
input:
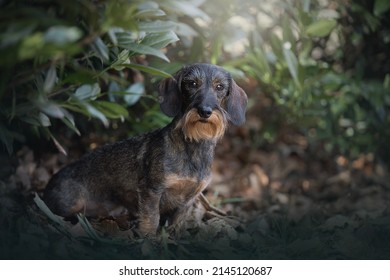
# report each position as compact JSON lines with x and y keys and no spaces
{"x":194,"y":73}
{"x":221,"y":76}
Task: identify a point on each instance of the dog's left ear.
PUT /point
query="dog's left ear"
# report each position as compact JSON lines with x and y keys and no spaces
{"x":236,"y":102}
{"x":169,"y":95}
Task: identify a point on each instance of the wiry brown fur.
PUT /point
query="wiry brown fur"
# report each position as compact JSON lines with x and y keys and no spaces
{"x":155,"y":178}
{"x":197,"y":129}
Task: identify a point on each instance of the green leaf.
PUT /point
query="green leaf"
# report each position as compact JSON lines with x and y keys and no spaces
{"x":156,"y":26}
{"x":50,"y":79}
{"x":113,"y":89}
{"x":41,"y":205}
{"x":79,"y":76}
{"x":31,"y":45}
{"x":277,"y":46}
{"x":288,"y":35}
{"x":87,"y":91}
{"x":148,"y":13}
{"x":261,"y":61}
{"x":78,"y":106}
{"x":69,"y":122}
{"x":96,"y":114}
{"x":61,"y":35}
{"x":140,"y":48}
{"x":88,"y":227}
{"x":160,"y":40}
{"x":15,"y":33}
{"x":119,"y":14}
{"x":135,"y":92}
{"x":187,"y":8}
{"x":147,"y":69}
{"x":292,"y":62}
{"x":56,"y":142}
{"x":101,"y":49}
{"x":321,"y":28}
{"x":44,"y":119}
{"x":52,"y":110}
{"x":386,"y":82}
{"x":185,"y":30}
{"x":216,"y":49}
{"x":71,"y":126}
{"x":158,"y":118}
{"x":123,"y":57}
{"x":111,"y":110}
{"x":381,"y":7}
{"x":32,"y":120}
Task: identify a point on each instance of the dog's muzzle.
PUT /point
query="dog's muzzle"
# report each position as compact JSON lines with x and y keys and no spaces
{"x":196,"y":127}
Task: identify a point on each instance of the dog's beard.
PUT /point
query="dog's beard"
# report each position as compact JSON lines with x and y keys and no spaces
{"x":196,"y":128}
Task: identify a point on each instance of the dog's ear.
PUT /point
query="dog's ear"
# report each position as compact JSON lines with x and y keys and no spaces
{"x":169,"y":96}
{"x":236,"y":102}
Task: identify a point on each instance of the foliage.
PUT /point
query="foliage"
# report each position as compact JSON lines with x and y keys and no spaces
{"x":323,"y":63}
{"x":301,"y":57}
{"x":85,"y":57}
{"x":358,"y":236}
{"x":61,"y":59}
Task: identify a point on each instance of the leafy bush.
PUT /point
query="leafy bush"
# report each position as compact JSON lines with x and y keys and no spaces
{"x":61,"y":58}
{"x":324,"y":63}
{"x":306,"y":70}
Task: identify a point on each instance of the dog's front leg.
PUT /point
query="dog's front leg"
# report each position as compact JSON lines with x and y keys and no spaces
{"x":179,"y":219}
{"x":149,"y":212}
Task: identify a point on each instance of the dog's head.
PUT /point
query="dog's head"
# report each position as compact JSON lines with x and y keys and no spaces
{"x":204,"y":97}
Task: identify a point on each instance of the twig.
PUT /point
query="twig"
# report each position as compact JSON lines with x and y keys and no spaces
{"x":206,"y":204}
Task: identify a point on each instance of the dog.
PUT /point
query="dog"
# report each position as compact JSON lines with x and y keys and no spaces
{"x":155,"y":177}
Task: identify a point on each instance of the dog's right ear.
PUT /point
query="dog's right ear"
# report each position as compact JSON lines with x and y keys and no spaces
{"x":236,"y":104}
{"x":169,"y":96}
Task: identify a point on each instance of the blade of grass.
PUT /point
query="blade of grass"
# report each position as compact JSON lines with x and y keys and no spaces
{"x":41,"y":205}
{"x":88,"y":227}
{"x":59,"y":222}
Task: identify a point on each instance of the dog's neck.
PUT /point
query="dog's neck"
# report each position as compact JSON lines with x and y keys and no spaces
{"x":199,"y":154}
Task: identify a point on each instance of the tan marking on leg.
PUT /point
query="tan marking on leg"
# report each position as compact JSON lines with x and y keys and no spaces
{"x":184,"y":188}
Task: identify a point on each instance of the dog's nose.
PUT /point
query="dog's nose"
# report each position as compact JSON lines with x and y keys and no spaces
{"x":205,"y":111}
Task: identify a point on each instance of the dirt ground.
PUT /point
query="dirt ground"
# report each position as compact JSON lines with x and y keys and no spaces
{"x":287,"y":200}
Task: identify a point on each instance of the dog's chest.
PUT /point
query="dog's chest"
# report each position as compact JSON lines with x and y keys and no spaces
{"x":179,"y":190}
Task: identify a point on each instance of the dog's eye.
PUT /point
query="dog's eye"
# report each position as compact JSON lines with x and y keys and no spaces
{"x":192,"y":84}
{"x":219,"y":87}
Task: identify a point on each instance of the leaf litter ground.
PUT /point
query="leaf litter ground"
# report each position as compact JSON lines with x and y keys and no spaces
{"x":287,"y":202}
